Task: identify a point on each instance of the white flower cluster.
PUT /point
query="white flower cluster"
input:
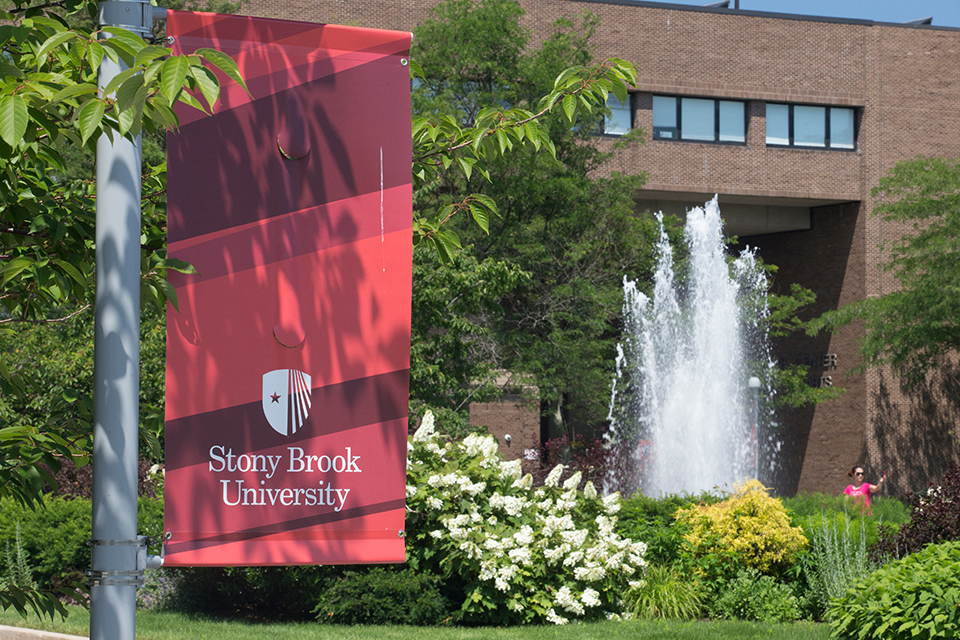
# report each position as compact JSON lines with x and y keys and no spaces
{"x":500,"y":529}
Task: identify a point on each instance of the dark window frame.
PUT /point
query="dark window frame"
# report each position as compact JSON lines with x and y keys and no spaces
{"x":828,"y":142}
{"x":678,"y":130}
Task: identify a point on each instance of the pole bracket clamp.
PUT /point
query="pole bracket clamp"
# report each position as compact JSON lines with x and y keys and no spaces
{"x":121,"y":578}
{"x":133,"y":15}
{"x":133,"y":577}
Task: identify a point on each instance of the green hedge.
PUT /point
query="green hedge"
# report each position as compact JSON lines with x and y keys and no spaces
{"x":812,"y":510}
{"x":382,"y":595}
{"x":56,"y":536}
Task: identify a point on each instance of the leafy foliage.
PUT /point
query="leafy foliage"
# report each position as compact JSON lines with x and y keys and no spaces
{"x":653,"y":521}
{"x":384,"y":596}
{"x":568,"y":236}
{"x":750,"y":524}
{"x":917,"y":596}
{"x":487,"y":41}
{"x":752,"y":596}
{"x":159,"y":590}
{"x":452,"y":354}
{"x":49,"y":102}
{"x":914,"y":328}
{"x":813,"y":510}
{"x":55,"y":536}
{"x":935,"y":518}
{"x":17,"y":571}
{"x":275,"y":593}
{"x":51,"y":107}
{"x":519,"y":554}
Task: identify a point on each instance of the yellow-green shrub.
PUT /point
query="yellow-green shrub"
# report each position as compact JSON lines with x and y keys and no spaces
{"x":750,"y":523}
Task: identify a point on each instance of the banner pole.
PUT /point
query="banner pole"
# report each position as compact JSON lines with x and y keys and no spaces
{"x":114,"y":571}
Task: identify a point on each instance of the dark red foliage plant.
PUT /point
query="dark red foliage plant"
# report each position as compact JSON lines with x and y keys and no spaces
{"x":586,"y":455}
{"x":935,"y":518}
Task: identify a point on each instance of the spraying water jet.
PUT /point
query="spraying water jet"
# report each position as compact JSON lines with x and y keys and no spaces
{"x":681,"y":417}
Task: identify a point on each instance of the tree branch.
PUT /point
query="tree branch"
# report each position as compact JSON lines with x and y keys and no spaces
{"x":48,"y":320}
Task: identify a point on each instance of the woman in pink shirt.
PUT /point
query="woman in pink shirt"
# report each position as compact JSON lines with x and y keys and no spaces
{"x":861,"y":490}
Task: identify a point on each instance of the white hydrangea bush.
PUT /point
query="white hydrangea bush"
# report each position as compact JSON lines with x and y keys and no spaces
{"x":522,"y":554}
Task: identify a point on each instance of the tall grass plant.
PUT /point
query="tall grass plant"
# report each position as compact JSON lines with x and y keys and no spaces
{"x":666,"y":595}
{"x":838,"y":557}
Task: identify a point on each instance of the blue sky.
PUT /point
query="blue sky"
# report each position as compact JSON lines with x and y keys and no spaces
{"x":945,"y":13}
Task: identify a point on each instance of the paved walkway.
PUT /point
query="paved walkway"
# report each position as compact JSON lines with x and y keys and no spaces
{"x":17,"y":633}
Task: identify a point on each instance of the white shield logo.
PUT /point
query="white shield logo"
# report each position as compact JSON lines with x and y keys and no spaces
{"x":286,"y":400}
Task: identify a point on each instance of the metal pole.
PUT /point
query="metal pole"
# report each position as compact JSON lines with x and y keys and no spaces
{"x":754,"y":384}
{"x":114,"y":568}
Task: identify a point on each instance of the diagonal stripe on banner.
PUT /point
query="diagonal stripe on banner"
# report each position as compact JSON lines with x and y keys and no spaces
{"x":296,"y":54}
{"x":347,"y":170}
{"x":295,"y":525}
{"x":338,"y":407}
{"x":235,"y":249}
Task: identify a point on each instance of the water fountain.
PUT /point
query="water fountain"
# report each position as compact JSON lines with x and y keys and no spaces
{"x":681,"y":412}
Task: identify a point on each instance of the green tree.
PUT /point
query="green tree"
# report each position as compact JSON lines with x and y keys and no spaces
{"x":49,"y":102}
{"x":914,"y":328}
{"x":453,"y":353}
{"x":57,"y":356}
{"x":572,"y":236}
{"x":458,"y":135}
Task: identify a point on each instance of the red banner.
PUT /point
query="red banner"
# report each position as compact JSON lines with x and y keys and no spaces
{"x":288,"y":362}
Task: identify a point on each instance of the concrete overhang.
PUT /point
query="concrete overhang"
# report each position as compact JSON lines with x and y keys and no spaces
{"x":743,"y":215}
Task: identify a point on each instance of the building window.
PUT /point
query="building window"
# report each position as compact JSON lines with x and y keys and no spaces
{"x":620,"y":120}
{"x":699,"y":119}
{"x":796,"y":125}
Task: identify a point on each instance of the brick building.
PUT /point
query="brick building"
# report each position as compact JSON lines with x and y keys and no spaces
{"x":808,"y":114}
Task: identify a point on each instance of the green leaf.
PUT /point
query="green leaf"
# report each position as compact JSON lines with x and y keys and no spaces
{"x":480,"y":216}
{"x":565,"y":76}
{"x":128,"y":91}
{"x":72,"y":91}
{"x":177,"y":265}
{"x":150,"y":52}
{"x":129,"y":38}
{"x":466,"y":165}
{"x":172,"y":76}
{"x":55,"y":41}
{"x":162,"y":113}
{"x":570,"y":106}
{"x":125,"y":119}
{"x":207,"y":83}
{"x":115,"y":48}
{"x":487,"y":202}
{"x":89,"y":118}
{"x":223,"y":62}
{"x":9,"y":69}
{"x":95,"y":54}
{"x":503,"y":141}
{"x":116,"y":80}
{"x":620,"y":91}
{"x":187,"y":98}
{"x":532,"y":134}
{"x":152,"y":443}
{"x":71,"y":271}
{"x":13,"y":119}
